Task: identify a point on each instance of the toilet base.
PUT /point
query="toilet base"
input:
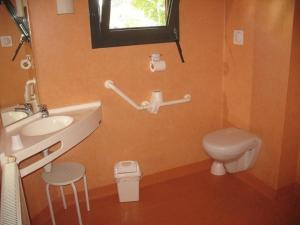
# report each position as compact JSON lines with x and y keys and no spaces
{"x":217,"y":168}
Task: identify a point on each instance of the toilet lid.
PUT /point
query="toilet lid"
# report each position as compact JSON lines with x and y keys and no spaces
{"x":229,"y":139}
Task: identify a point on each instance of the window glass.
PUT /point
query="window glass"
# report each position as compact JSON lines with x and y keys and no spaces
{"x":137,"y":13}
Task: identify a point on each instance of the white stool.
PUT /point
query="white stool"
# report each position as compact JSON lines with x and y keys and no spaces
{"x":62,"y":174}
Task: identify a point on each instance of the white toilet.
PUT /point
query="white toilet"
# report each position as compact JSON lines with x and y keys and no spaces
{"x":232,"y":149}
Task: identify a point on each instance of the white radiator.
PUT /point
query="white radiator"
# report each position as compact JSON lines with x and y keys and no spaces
{"x":13,"y":206}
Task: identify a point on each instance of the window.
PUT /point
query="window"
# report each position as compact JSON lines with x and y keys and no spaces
{"x":132,"y":22}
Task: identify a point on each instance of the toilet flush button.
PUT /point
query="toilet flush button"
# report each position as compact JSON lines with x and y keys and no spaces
{"x":238,"y":37}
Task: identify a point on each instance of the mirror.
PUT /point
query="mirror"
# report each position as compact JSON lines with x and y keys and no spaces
{"x":15,"y":74}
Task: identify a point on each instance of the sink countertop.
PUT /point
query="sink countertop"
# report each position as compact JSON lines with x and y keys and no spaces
{"x":86,"y":119}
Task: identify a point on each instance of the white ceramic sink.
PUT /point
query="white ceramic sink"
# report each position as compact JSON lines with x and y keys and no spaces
{"x":47,"y":125}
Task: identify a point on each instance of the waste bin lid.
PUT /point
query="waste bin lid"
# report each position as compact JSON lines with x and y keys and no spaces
{"x":127,"y":168}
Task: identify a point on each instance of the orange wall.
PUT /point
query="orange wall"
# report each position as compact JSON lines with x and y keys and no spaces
{"x":256,"y":76}
{"x":292,"y":131}
{"x":70,"y":72}
{"x":12,"y":77}
{"x":273,"y":35}
{"x":238,"y":63}
{"x":298,"y":167}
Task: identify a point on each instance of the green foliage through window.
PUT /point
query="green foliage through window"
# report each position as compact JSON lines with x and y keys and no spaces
{"x":153,"y":9}
{"x":137,"y":13}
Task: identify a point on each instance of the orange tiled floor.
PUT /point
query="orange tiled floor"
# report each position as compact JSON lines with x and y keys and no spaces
{"x":198,"y":199}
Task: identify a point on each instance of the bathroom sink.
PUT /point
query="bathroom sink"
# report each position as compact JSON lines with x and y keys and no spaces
{"x":47,"y":125}
{"x":68,"y":125}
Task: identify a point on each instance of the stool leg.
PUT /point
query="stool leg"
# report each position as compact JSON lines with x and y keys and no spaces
{"x":76,"y":203}
{"x":50,"y":205}
{"x":86,"y":194}
{"x":63,"y":196}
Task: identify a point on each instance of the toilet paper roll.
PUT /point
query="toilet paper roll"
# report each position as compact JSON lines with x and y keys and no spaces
{"x":156,"y":66}
{"x":25,"y":64}
{"x":156,"y":97}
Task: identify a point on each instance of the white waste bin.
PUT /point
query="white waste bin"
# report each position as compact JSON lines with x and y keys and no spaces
{"x":128,"y":175}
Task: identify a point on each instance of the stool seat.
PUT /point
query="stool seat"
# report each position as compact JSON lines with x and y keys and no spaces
{"x":64,"y":173}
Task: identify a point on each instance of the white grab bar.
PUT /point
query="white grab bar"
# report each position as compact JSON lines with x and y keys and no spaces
{"x":109,"y":84}
{"x":152,"y":106}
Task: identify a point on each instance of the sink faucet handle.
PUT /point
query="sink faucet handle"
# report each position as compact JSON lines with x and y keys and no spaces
{"x":44,"y":110}
{"x":28,"y":106}
{"x":43,"y":106}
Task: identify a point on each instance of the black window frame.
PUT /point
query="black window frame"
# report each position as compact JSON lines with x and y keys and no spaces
{"x":102,"y":36}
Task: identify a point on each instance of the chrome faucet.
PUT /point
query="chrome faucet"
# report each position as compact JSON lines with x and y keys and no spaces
{"x":27,"y":109}
{"x":44,"y":110}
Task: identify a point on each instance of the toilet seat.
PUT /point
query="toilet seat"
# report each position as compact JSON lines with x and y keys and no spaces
{"x":230,"y":141}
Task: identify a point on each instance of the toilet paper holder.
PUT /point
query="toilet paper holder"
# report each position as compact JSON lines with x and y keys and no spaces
{"x":25,"y":63}
{"x":156,"y":64}
{"x":155,"y":102}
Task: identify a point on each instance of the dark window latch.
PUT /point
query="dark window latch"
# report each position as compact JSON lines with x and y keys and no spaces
{"x":178,"y":45}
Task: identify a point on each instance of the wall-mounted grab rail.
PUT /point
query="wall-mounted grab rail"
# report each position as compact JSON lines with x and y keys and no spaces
{"x":109,"y":84}
{"x":153,"y":105}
